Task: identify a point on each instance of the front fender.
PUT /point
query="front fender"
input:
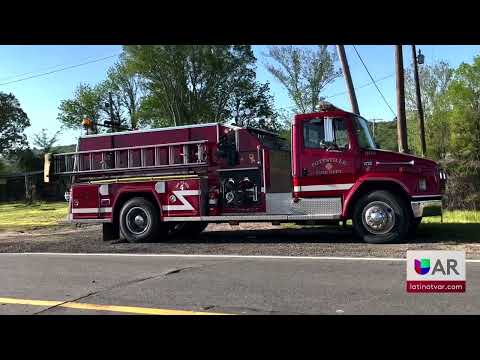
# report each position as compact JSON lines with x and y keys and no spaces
{"x":361,"y":183}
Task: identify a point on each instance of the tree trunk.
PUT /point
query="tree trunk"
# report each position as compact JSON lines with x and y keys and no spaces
{"x":28,"y":190}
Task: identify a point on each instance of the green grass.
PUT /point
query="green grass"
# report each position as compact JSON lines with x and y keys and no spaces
{"x":19,"y":216}
{"x":457,"y":227}
{"x":455,"y":217}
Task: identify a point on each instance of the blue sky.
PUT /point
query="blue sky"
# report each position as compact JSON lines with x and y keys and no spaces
{"x":40,"y":97}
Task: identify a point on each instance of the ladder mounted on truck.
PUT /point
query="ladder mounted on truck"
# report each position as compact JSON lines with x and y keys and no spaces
{"x":180,"y":154}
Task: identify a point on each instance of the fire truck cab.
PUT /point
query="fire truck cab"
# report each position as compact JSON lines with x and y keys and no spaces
{"x":148,"y":185}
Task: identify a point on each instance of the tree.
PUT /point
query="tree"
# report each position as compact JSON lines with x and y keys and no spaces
{"x":13,"y":121}
{"x":127,"y":91}
{"x":190,"y":84}
{"x":44,"y":142}
{"x":28,"y":160}
{"x":151,"y":113}
{"x":86,"y":102}
{"x":385,"y":134}
{"x":303,"y":72}
{"x":463,"y":99}
{"x":252,"y":106}
{"x":125,"y":88}
{"x":434,"y":81}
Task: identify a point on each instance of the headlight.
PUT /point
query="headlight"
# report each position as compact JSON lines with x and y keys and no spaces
{"x":422,"y":184}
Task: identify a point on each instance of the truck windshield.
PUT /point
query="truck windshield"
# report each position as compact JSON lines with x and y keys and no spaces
{"x":363,"y":134}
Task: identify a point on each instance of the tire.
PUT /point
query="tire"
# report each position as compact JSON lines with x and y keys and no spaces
{"x":139,"y":221}
{"x":381,"y":217}
{"x":184,"y":229}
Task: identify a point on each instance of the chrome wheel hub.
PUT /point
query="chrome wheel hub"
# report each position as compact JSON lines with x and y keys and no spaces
{"x":137,"y":220}
{"x":378,"y":218}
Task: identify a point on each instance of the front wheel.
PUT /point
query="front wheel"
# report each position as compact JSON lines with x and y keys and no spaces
{"x":380,"y":217}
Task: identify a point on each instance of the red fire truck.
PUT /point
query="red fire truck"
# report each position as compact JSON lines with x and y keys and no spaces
{"x":147,"y":185}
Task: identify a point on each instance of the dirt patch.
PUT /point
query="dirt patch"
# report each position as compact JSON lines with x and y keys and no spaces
{"x":245,"y":239}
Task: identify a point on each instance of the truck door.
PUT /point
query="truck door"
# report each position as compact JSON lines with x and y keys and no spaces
{"x":327,"y":162}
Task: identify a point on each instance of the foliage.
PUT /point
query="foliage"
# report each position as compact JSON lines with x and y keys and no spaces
{"x":451,"y":99}
{"x":63,"y":148}
{"x":86,"y":102}
{"x":189,"y":84}
{"x":385,"y":134}
{"x":434,"y":82}
{"x":27,"y":160}
{"x":463,"y":185}
{"x":13,"y":121}
{"x":303,"y":72}
{"x":44,"y":142}
{"x":126,"y":92}
{"x":126,"y":89}
{"x":463,"y":97}
{"x":252,"y":103}
{"x":169,"y":85}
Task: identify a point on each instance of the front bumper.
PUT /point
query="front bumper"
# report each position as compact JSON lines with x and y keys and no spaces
{"x":424,"y":208}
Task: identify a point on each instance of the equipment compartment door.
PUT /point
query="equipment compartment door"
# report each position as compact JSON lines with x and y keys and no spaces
{"x":182,"y":198}
{"x":85,"y":201}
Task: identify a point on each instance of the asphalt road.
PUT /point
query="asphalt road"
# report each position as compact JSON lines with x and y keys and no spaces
{"x":178,"y":284}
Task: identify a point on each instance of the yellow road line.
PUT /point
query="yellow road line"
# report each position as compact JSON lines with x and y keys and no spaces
{"x":97,"y":307}
{"x":29,"y":302}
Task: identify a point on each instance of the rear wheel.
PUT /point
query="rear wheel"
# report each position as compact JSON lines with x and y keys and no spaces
{"x":380,"y":217}
{"x":140,"y":221}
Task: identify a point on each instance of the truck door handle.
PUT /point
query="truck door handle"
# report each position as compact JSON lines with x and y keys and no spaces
{"x":304,"y":172}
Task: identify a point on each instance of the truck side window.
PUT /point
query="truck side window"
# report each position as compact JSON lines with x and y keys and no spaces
{"x":341,"y":134}
{"x":314,"y":134}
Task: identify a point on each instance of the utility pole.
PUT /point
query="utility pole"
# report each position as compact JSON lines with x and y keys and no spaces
{"x":112,"y":116}
{"x":401,"y":119}
{"x":374,"y":123}
{"x":348,"y":79}
{"x":421,"y":123}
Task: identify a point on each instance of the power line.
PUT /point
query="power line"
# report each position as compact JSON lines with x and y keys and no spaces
{"x":371,"y":77}
{"x":37,"y":71}
{"x":361,"y":86}
{"x":62,"y":69}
